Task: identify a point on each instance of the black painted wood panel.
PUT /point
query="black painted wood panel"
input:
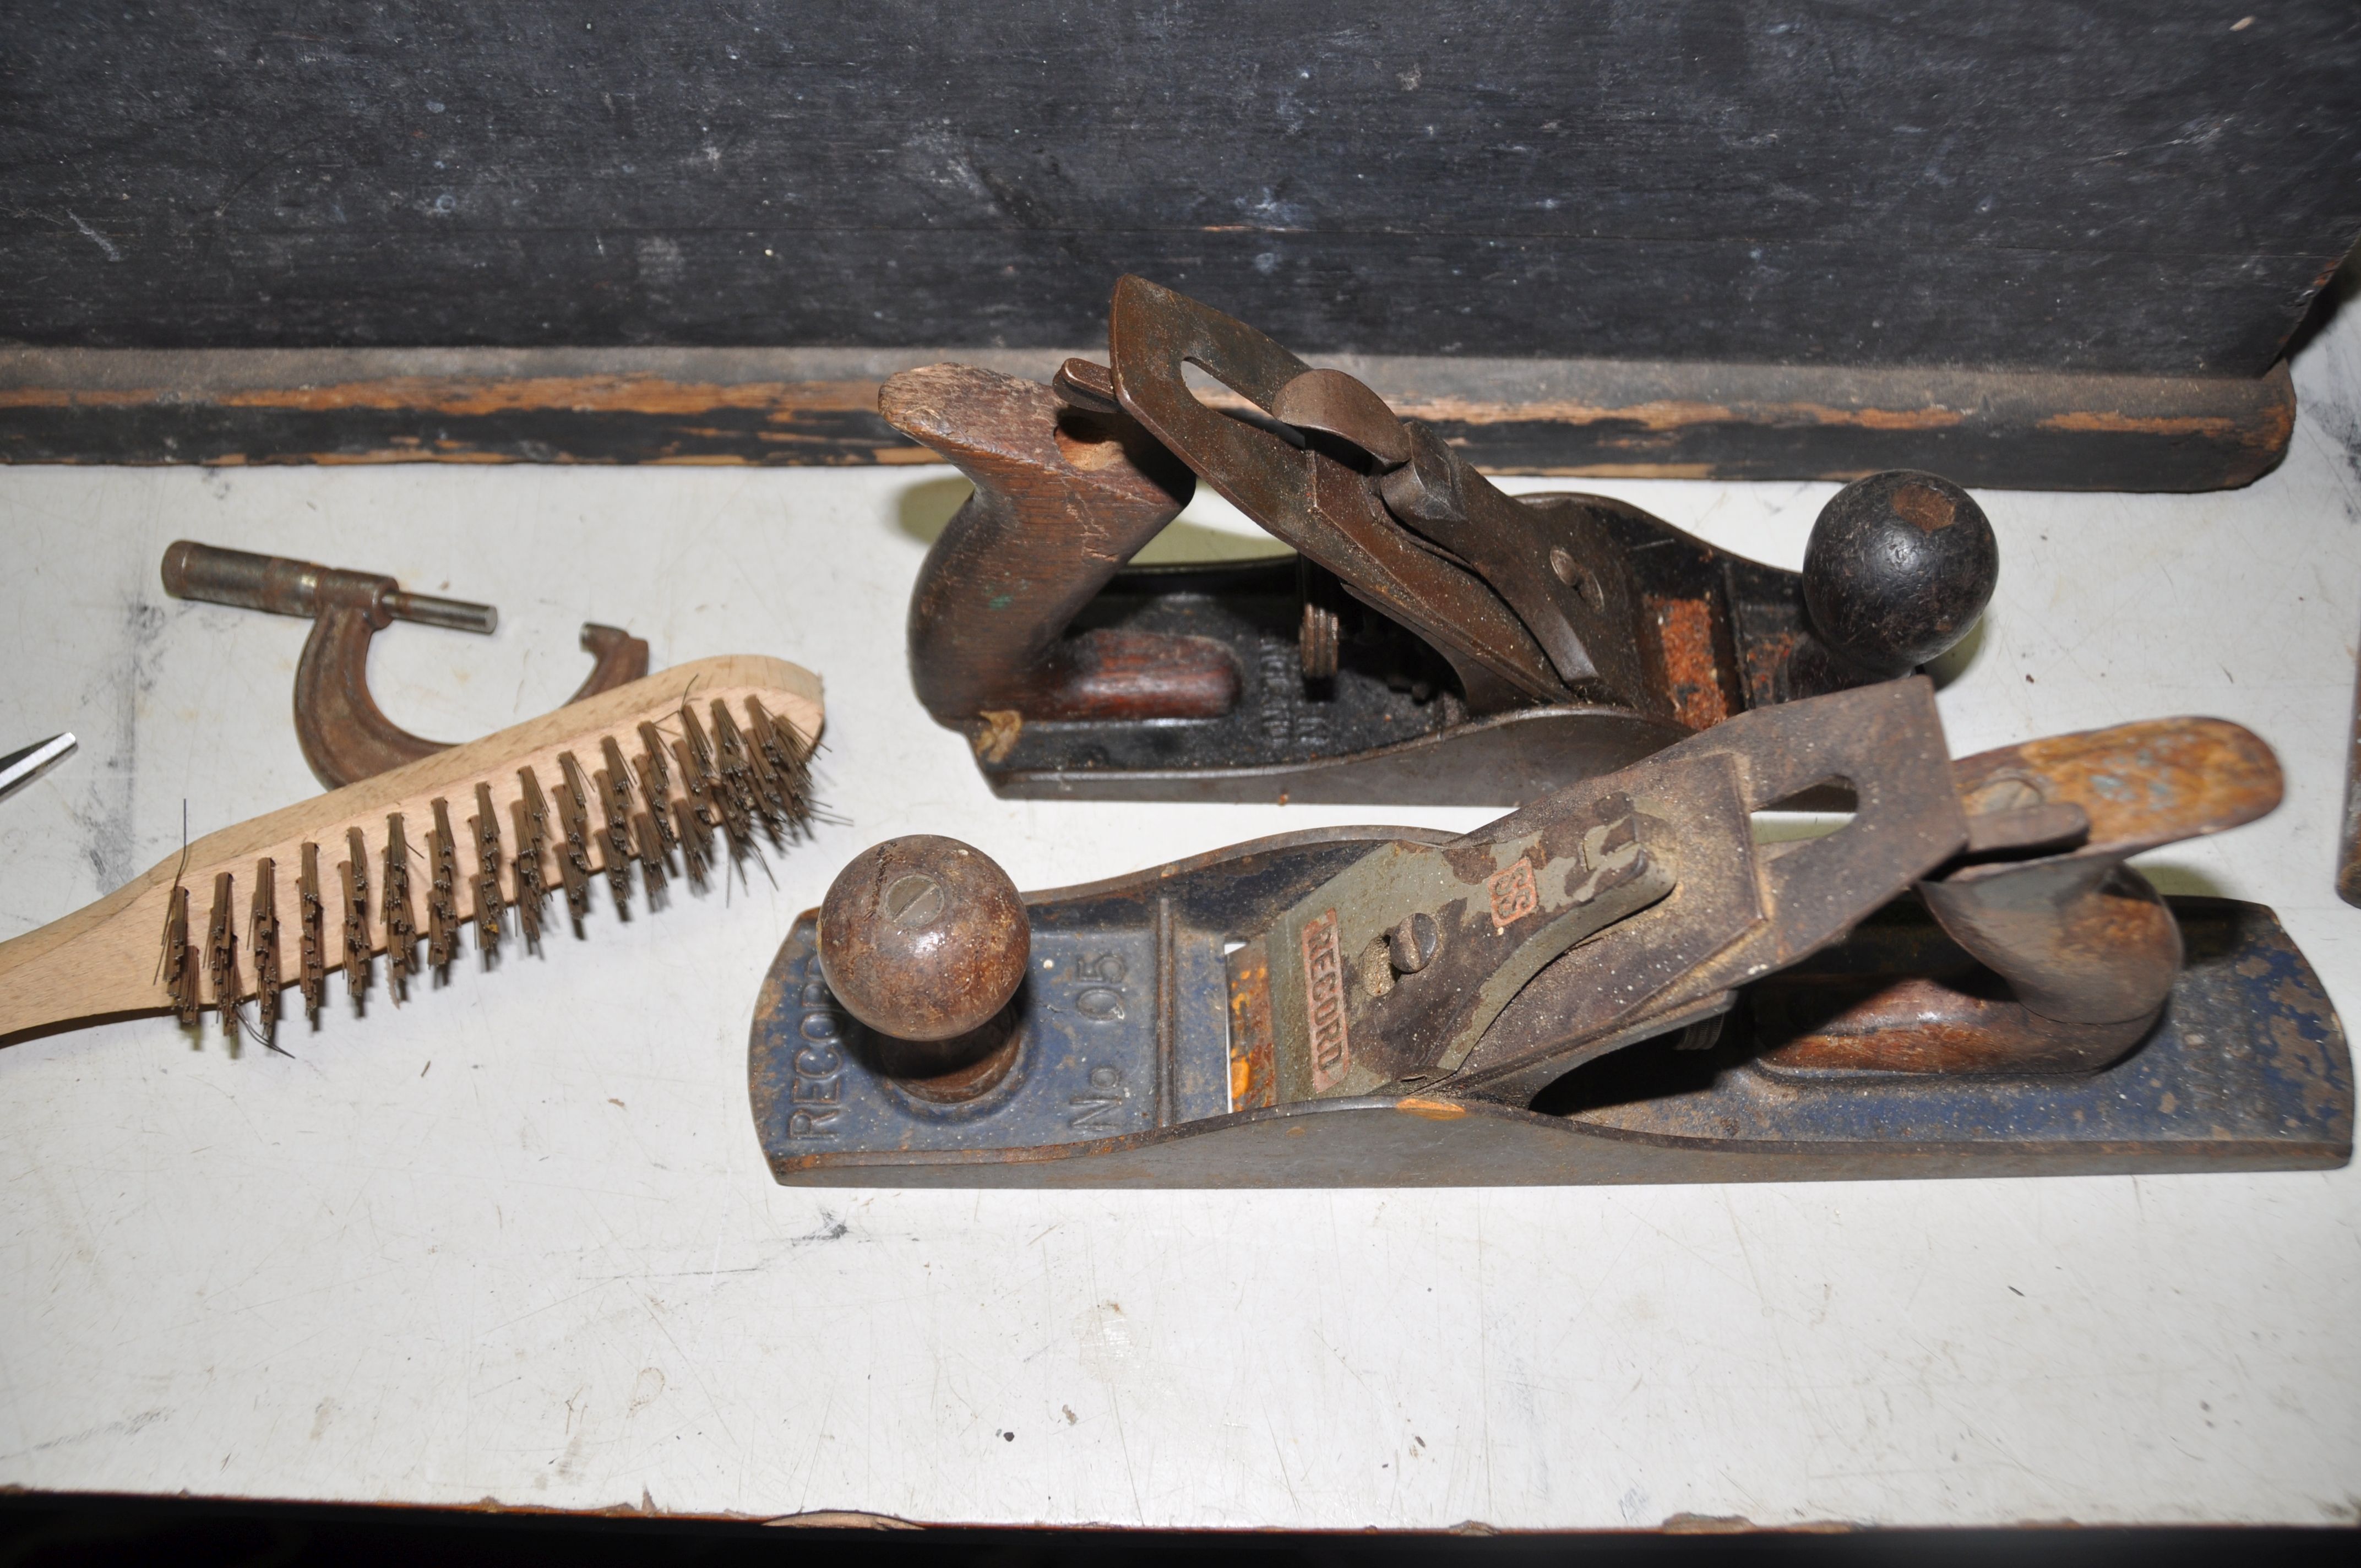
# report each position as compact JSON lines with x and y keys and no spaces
{"x":2105,"y":185}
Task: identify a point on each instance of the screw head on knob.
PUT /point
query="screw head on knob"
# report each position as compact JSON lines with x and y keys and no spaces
{"x":1899,"y":567}
{"x":923,"y":938}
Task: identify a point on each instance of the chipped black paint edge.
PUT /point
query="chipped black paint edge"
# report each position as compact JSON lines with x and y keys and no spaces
{"x":2180,"y":436}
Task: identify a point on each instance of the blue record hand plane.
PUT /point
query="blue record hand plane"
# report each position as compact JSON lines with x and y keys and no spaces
{"x":1638,"y":977}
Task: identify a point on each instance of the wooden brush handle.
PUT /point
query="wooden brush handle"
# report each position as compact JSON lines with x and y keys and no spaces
{"x":107,"y":958}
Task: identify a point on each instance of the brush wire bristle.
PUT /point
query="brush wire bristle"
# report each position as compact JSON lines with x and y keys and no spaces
{"x":180,"y":974}
{"x":262,"y":942}
{"x":486,"y":826}
{"x":221,"y":950}
{"x":314,"y":919}
{"x":401,"y":925}
{"x":748,"y":778}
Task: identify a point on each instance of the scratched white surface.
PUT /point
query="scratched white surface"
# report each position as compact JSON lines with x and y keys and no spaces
{"x":515,"y":1241}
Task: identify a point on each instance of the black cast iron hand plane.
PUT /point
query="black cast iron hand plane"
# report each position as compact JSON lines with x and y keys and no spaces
{"x":1633,"y":979}
{"x":1434,"y":640}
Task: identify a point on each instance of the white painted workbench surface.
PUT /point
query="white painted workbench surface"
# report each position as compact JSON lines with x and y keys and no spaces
{"x":516,"y":1242}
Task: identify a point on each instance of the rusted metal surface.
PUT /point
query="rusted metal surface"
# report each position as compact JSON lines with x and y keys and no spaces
{"x":1569,"y":586}
{"x":2044,"y":923}
{"x":345,"y":735}
{"x":1252,"y":1081}
{"x":1309,"y":499}
{"x":1740,"y":912}
{"x":1690,"y":642}
{"x":1330,"y":402}
{"x":923,"y":938}
{"x":616,"y":658}
{"x":1699,"y":1006}
{"x":1609,"y":418}
{"x":1428,"y":602}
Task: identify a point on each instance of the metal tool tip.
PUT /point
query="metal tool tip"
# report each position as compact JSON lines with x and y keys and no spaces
{"x":20,"y":768}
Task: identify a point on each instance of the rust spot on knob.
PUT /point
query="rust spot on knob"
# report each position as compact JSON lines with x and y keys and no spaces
{"x":1924,"y":507}
{"x":923,"y":938}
